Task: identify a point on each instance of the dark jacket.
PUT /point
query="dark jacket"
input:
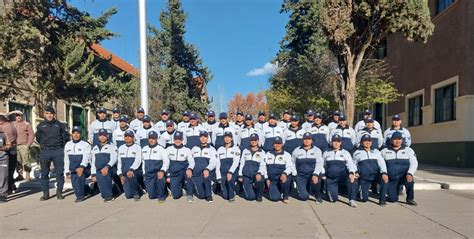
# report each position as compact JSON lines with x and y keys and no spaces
{"x":52,"y":134}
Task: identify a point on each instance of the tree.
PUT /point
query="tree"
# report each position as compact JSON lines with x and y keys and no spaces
{"x":177,"y":73}
{"x":306,"y":72}
{"x":249,"y":104}
{"x":47,"y":44}
{"x":375,"y":85}
{"x":355,"y":28}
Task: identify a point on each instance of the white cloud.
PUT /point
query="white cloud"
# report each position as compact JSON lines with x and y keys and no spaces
{"x":267,"y":69}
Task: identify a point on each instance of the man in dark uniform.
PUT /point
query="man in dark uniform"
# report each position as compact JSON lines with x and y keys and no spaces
{"x":51,"y":136}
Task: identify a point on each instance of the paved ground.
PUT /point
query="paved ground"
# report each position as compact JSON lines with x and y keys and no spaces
{"x":440,"y":214}
{"x":446,"y":177}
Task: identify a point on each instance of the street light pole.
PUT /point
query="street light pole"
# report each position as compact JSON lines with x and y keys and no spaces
{"x":143,"y":55}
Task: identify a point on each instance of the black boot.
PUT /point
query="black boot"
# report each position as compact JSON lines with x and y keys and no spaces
{"x":59,"y":195}
{"x":44,"y":197}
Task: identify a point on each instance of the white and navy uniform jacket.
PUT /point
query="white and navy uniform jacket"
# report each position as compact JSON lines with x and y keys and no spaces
{"x":228,"y":160}
{"x":375,"y":135}
{"x":238,"y":127}
{"x":129,"y":158}
{"x":269,"y":133}
{"x":154,"y":159}
{"x":293,"y":138}
{"x":400,"y":162}
{"x":308,"y":162}
{"x":94,"y":128}
{"x":166,"y":139}
{"x":251,"y":163}
{"x":338,"y":163}
{"x":369,"y":163}
{"x":180,"y":159}
{"x":275,"y":164}
{"x":160,"y":126}
{"x":116,"y":123}
{"x":137,"y":124}
{"x":203,"y":157}
{"x":406,"y":136}
{"x":102,"y":156}
{"x":244,"y":137}
{"x":218,"y":134}
{"x":118,"y":137}
{"x":307,"y":125}
{"x":361,"y":125}
{"x":142,"y":136}
{"x":182,"y":126}
{"x":284,"y":124}
{"x":76,"y":154}
{"x":209,"y":126}
{"x":332,"y":126}
{"x":321,"y":136}
{"x":348,"y":135}
{"x":191,"y":136}
{"x":260,"y":125}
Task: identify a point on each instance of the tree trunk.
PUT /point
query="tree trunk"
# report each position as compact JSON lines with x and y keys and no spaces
{"x":354,"y":61}
{"x":350,"y":93}
{"x":350,"y":99}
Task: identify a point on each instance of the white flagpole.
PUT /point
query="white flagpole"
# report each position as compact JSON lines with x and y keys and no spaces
{"x":143,"y":55}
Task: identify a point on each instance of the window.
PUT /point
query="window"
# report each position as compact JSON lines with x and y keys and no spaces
{"x":79,"y":117}
{"x":443,"y":4}
{"x":26,"y":109}
{"x":445,"y":104}
{"x":415,"y":116}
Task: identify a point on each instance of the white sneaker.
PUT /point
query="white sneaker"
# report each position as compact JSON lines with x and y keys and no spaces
{"x":190,"y":199}
{"x":352,"y":203}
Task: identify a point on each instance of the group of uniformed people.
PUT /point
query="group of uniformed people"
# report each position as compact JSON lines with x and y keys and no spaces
{"x":204,"y":158}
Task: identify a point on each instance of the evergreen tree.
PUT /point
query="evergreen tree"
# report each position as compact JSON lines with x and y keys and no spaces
{"x":305,"y":66}
{"x":177,"y":74}
{"x":46,"y":47}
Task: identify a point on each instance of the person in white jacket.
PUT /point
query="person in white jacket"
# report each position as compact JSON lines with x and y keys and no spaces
{"x":228,"y":157}
{"x":155,"y":164}
{"x":202,"y":163}
{"x":277,"y":168}
{"x":77,"y":154}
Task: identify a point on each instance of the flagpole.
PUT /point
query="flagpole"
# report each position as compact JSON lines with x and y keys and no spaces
{"x":143,"y":55}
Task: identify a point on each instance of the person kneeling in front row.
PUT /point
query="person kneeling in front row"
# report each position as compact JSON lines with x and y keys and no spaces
{"x":155,"y":164}
{"x":250,"y":172}
{"x":401,"y":167}
{"x":277,"y":168}
{"x":339,"y":170}
{"x":371,"y":169}
{"x":76,"y":163}
{"x":309,"y":166}
{"x":129,"y":166}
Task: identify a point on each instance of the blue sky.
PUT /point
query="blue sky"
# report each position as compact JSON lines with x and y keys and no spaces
{"x":236,"y":38}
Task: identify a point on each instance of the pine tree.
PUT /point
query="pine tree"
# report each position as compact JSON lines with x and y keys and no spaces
{"x":46,"y":47}
{"x":177,"y":73}
{"x":305,"y":75}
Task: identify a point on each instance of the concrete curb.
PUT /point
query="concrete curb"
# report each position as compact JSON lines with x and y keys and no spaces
{"x":427,"y":186}
{"x":444,"y":185}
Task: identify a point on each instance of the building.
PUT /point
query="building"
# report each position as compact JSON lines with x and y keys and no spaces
{"x":437,"y":80}
{"x":70,"y":113}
